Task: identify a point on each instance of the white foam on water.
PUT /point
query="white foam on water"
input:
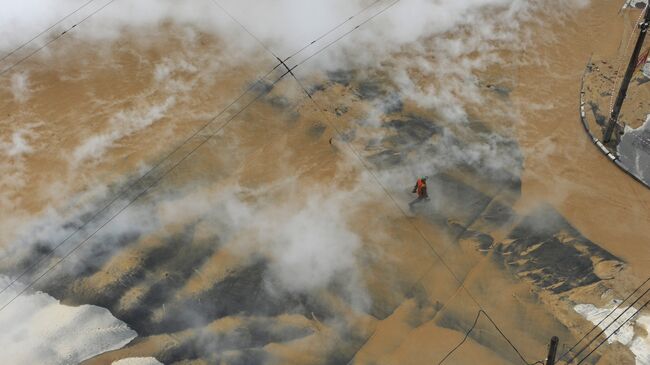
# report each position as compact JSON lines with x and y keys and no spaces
{"x":38,"y":329}
{"x":639,"y":345}
{"x":137,"y":361}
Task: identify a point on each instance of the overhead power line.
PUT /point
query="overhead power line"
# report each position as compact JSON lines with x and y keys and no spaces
{"x":416,"y":228}
{"x":631,"y":306}
{"x":597,"y":325}
{"x":23,"y":45}
{"x":333,"y":29}
{"x":12,"y":66}
{"x":289,"y":71}
{"x":139,"y":195}
{"x":135,"y":183}
{"x":615,"y":331}
{"x":478,"y":316}
{"x":244,"y":27}
{"x":390,"y":196}
{"x":166,"y":157}
{"x":383,"y":187}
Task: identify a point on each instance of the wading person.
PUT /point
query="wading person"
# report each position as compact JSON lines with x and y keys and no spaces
{"x":420,"y":189}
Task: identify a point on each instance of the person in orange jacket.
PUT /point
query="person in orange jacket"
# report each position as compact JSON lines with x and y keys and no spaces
{"x":420,"y":189}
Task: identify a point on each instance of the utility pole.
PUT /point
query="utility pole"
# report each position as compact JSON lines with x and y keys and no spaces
{"x":552,"y":351}
{"x":613,"y":119}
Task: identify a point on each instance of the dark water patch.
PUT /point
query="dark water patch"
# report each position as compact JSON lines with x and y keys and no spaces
{"x":182,"y":352}
{"x":386,"y":159}
{"x":412,"y":130}
{"x":65,"y":282}
{"x":264,"y":331}
{"x":167,"y":269}
{"x":89,"y":258}
{"x":491,"y":180}
{"x":342,"y":77}
{"x":111,"y":293}
{"x":340,"y":110}
{"x":373,"y":144}
{"x":348,"y":135}
{"x":481,"y":241}
{"x":38,"y":251}
{"x":239,"y":293}
{"x":172,"y":248}
{"x":456,"y":199}
{"x":491,"y":216}
{"x":176,"y":255}
{"x":478,"y":126}
{"x":243,"y":292}
{"x":497,"y":214}
{"x":262,"y":87}
{"x":459,"y":206}
{"x":69,"y":226}
{"x":393,"y":104}
{"x":98,"y":254}
{"x":246,"y":357}
{"x":381,"y":309}
{"x":370,"y":90}
{"x":279,"y":102}
{"x":312,"y":89}
{"x":316,"y":130}
{"x":551,"y":253}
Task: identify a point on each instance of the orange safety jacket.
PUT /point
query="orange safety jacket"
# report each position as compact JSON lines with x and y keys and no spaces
{"x":421,"y":188}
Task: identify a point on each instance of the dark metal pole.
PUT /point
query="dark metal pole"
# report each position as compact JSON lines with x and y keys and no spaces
{"x":613,"y":119}
{"x":552,"y":351}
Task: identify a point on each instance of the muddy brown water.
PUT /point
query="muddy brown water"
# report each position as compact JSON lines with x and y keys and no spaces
{"x":559,"y":225}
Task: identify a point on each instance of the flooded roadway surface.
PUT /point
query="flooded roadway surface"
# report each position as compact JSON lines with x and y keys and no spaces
{"x":281,"y":233}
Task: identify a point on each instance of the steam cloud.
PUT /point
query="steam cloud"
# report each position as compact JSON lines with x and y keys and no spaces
{"x":436,"y":48}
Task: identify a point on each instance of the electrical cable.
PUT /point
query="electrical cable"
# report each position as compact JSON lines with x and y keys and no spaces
{"x":347,"y":33}
{"x":606,"y":327}
{"x":32,"y":283}
{"x":46,"y":30}
{"x":243,"y":27}
{"x":149,"y":171}
{"x":615,"y":331}
{"x":289,"y":71}
{"x":478,"y":315}
{"x":11,"y":67}
{"x":333,"y":29}
{"x":604,"y":318}
{"x":138,"y":196}
{"x":133,"y":184}
{"x":389,"y":195}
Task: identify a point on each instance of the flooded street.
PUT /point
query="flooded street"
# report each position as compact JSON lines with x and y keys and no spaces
{"x":171,"y":193}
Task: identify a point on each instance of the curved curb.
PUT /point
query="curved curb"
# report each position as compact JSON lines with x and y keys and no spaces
{"x":596,"y":141}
